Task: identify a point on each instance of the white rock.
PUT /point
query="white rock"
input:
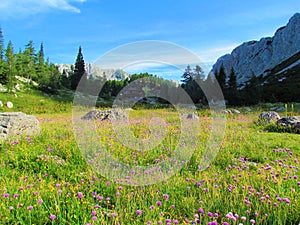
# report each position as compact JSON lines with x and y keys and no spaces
{"x":9,"y":105}
{"x":17,"y":87}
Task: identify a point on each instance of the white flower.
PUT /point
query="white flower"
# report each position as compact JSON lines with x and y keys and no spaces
{"x":9,"y":105}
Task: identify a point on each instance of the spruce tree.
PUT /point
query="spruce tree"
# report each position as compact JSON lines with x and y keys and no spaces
{"x":232,"y":82}
{"x":79,"y":70}
{"x":10,"y":65}
{"x":40,"y":67}
{"x":187,"y":76}
{"x":2,"y":63}
{"x":29,"y":62}
{"x":221,"y":78}
{"x":232,"y":95}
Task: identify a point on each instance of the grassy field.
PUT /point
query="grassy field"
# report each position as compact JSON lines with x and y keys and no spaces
{"x":254,"y":178}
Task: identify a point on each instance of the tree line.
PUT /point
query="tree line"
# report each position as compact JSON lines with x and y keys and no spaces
{"x":273,"y":88}
{"x":27,"y":63}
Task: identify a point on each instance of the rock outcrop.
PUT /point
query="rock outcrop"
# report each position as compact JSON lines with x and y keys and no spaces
{"x":115,"y":114}
{"x":292,"y":123}
{"x":270,"y":55}
{"x":269,"y":116}
{"x":95,"y":72}
{"x":15,"y":124}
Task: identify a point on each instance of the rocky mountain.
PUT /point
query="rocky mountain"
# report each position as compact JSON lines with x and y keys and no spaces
{"x":95,"y":72}
{"x":270,"y":58}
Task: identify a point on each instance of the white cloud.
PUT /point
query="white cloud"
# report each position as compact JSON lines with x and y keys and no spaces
{"x":23,"y":8}
{"x":210,"y":55}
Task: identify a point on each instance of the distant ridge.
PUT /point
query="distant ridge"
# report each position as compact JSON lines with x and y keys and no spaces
{"x":95,"y":72}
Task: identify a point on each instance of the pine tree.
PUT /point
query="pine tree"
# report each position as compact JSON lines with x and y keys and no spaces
{"x":10,"y":65}
{"x":232,"y":93}
{"x":2,"y":63}
{"x":198,"y":72}
{"x":232,"y":82}
{"x":221,"y":78}
{"x":79,"y":70}
{"x":187,"y":76}
{"x":29,"y":62}
{"x":40,"y":67}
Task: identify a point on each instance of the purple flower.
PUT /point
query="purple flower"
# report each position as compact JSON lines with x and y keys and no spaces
{"x":158,"y":203}
{"x":79,"y":195}
{"x":6,"y":195}
{"x":139,"y":212}
{"x":30,"y":207}
{"x":52,"y":217}
{"x":94,"y":213}
{"x":40,"y":201}
{"x":200,"y":210}
{"x":94,"y":218}
{"x":210,"y":214}
{"x":166,"y":197}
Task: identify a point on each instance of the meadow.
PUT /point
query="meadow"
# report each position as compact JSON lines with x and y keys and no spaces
{"x":254,"y":178}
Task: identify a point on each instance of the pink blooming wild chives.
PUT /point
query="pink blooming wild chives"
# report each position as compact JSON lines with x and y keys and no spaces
{"x":52,"y":217}
{"x":139,"y":212}
{"x":79,"y":195}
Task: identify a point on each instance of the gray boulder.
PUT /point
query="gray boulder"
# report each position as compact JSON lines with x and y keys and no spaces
{"x":231,"y":111}
{"x":115,"y":114}
{"x":51,"y":158}
{"x":278,"y":109}
{"x":15,"y":124}
{"x":269,"y":116}
{"x":192,"y":116}
{"x":292,"y":123}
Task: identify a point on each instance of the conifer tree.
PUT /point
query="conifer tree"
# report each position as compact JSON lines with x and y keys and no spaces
{"x":2,"y":63}
{"x":40,"y":67}
{"x":29,"y":61}
{"x":232,"y":93}
{"x":10,"y":65}
{"x":221,"y":78}
{"x":232,"y":81}
{"x":79,"y":70}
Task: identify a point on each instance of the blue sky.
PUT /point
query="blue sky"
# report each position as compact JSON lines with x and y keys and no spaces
{"x":207,"y":28}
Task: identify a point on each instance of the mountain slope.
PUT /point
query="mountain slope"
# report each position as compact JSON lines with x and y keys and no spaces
{"x":275,"y":56}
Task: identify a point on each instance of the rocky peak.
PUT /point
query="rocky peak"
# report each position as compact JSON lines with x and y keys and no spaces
{"x":95,"y":72}
{"x":260,"y":57}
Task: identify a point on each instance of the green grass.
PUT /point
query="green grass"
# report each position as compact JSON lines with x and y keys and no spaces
{"x":255,"y":172}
